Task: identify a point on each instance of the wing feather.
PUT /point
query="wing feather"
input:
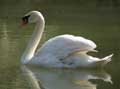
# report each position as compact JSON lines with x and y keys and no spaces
{"x":63,"y":45}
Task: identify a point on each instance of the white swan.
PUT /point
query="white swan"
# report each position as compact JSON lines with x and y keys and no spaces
{"x":61,"y":51}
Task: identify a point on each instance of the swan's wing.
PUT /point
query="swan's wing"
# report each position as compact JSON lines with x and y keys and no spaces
{"x":64,"y":45}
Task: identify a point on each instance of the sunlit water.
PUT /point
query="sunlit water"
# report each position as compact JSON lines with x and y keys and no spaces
{"x":95,"y":20}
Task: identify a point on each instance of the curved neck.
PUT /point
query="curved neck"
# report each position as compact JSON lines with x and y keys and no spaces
{"x":34,"y":41}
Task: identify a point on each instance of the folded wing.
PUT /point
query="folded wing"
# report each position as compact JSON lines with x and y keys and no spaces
{"x":64,"y":45}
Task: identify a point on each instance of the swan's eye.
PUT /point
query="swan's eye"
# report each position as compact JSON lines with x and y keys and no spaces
{"x":25,"y":19}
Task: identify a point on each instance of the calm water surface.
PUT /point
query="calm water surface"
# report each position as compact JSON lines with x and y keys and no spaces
{"x":98,"y":20}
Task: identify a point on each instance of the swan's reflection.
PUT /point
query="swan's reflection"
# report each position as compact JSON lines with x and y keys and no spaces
{"x":41,"y":78}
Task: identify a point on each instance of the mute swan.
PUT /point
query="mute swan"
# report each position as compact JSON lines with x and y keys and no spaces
{"x":64,"y":51}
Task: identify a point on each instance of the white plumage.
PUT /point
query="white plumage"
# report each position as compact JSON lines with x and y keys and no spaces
{"x":61,"y":51}
{"x":65,"y":45}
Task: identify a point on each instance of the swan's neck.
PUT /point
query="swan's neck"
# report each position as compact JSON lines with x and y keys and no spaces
{"x":33,"y":43}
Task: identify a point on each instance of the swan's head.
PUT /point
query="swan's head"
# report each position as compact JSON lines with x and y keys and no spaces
{"x":32,"y":17}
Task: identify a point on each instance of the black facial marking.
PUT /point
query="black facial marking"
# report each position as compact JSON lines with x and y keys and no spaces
{"x":25,"y":18}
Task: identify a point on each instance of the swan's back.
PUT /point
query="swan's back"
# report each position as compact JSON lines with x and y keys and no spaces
{"x":64,"y":44}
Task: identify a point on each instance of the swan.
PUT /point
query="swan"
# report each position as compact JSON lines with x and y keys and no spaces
{"x":63,"y":51}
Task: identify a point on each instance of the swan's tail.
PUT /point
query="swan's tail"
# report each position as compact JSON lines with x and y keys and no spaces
{"x":105,"y":60}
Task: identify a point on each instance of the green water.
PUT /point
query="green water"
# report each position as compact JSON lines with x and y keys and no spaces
{"x":98,"y":20}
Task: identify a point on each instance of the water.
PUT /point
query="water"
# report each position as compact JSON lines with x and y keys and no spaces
{"x":97,"y":20}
